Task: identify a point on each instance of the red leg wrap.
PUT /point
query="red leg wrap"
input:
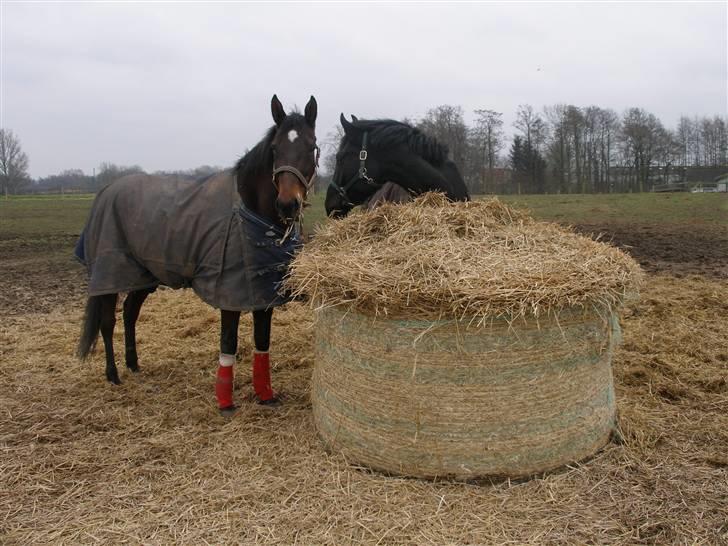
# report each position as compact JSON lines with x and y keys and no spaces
{"x":224,"y":387}
{"x":261,"y":376}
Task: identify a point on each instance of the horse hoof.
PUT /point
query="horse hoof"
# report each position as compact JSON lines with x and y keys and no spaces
{"x":229,"y":412}
{"x":134,"y":369}
{"x":114,"y":380}
{"x":271,"y":402}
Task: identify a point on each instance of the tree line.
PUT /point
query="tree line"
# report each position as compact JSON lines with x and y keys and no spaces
{"x":560,"y":149}
{"x":570,"y":149}
{"x":14,"y":177}
{"x":75,"y":180}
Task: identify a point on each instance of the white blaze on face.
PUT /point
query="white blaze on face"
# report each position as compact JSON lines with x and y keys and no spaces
{"x":292,"y":135}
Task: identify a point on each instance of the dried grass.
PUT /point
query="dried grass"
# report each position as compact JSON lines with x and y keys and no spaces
{"x":150,"y":462}
{"x":433,"y":259}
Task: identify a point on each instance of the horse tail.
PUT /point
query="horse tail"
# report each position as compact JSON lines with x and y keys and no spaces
{"x":90,"y":327}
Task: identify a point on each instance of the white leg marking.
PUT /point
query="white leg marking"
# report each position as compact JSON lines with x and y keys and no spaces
{"x":226,"y":360}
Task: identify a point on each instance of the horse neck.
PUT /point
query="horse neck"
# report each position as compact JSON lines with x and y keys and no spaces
{"x":419,"y":176}
{"x":259,"y":195}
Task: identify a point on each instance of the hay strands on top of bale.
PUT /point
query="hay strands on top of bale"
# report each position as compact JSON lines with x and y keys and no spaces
{"x":434,"y":259}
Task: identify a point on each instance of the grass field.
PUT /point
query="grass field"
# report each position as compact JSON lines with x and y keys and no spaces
{"x":655,"y":208}
{"x":21,"y":217}
{"x":47,"y":215}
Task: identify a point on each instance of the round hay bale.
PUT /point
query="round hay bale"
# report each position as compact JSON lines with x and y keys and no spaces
{"x":431,"y":399}
{"x":462,"y":339}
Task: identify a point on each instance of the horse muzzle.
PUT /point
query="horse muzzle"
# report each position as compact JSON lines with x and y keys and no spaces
{"x":288,"y":210}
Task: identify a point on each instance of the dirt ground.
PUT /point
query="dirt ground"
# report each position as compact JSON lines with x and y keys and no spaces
{"x":40,"y":276}
{"x":674,"y":249}
{"x":151,"y":462}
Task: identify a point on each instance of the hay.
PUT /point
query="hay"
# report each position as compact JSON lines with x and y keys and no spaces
{"x":417,"y":389}
{"x":440,"y":400}
{"x":150,"y":462}
{"x":432,"y":259}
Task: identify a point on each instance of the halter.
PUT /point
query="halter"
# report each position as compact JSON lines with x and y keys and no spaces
{"x":360,"y":175}
{"x":307,"y":184}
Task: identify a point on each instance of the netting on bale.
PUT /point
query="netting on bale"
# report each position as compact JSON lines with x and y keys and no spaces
{"x":462,"y":339}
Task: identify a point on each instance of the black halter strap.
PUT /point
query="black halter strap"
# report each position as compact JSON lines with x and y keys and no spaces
{"x":360,"y":175}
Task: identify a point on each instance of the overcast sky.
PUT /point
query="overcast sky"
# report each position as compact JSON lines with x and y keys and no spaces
{"x":178,"y":85}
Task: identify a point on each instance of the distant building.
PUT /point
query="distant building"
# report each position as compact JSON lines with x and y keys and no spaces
{"x":721,"y":183}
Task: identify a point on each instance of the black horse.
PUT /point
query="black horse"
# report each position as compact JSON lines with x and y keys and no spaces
{"x":229,"y":237}
{"x":375,"y":152}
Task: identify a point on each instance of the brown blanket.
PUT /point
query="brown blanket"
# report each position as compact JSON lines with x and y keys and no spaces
{"x":144,"y":231}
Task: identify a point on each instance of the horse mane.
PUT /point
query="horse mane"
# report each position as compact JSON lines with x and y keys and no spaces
{"x":259,"y":160}
{"x":384,"y":133}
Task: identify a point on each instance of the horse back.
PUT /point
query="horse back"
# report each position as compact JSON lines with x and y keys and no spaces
{"x":146,"y":230}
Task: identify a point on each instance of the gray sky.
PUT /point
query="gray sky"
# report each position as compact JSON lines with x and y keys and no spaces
{"x":178,"y":85}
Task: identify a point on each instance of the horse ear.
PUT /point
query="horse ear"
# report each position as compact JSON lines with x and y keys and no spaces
{"x":276,"y":108}
{"x":354,"y":118}
{"x":310,"y":112}
{"x":348,"y":127}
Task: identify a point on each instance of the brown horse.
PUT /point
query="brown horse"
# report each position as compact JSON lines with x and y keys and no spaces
{"x":230,"y":237}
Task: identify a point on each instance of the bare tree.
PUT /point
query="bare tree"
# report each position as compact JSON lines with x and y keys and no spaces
{"x":13,"y":163}
{"x":696,"y":143}
{"x":642,"y":138}
{"x":525,"y":118}
{"x":558,"y":150}
{"x":683,"y":136}
{"x":69,"y":179}
{"x":329,"y":147}
{"x":579,"y":147}
{"x":722,"y":128}
{"x":534,"y":133}
{"x":446,"y":124}
{"x":108,"y":172}
{"x":608,"y":121}
{"x":713,"y":136}
{"x":487,"y":143}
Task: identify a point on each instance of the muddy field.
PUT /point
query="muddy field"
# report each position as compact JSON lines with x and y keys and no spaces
{"x":672,"y":249}
{"x":151,"y":461}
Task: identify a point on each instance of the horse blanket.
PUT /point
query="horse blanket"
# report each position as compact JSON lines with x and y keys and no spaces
{"x":144,"y":231}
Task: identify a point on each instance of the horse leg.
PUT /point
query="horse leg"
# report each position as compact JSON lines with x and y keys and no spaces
{"x":229,"y":321}
{"x":261,"y":357}
{"x":108,"y":320}
{"x":132,"y":306}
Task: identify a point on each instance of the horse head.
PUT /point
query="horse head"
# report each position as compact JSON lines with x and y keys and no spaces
{"x":373,"y":152}
{"x":295,"y":157}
